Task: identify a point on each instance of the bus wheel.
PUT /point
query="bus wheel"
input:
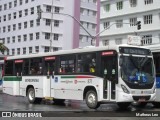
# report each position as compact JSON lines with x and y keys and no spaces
{"x":123,"y":105}
{"x":156,"y":104}
{"x":58,"y":101}
{"x":91,"y":99}
{"x":31,"y":96}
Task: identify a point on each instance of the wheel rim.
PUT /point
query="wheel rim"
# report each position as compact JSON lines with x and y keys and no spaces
{"x":91,"y":99}
{"x":31,"y":95}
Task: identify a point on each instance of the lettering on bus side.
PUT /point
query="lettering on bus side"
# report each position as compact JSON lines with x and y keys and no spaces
{"x":31,"y":80}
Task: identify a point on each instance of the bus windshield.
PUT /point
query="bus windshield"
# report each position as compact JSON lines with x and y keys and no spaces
{"x":137,"y":70}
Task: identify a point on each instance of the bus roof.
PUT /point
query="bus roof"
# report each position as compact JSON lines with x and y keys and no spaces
{"x":72,"y":51}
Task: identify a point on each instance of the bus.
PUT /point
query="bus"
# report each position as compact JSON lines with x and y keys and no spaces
{"x":121,"y":74}
{"x":155,"y":49}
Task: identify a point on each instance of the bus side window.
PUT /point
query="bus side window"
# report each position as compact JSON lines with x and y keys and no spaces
{"x":86,"y":63}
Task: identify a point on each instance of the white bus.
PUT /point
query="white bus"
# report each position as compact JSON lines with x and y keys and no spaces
{"x":121,"y":74}
{"x":155,"y":49}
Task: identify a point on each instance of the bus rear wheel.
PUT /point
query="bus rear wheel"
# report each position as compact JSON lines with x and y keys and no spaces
{"x":31,"y":96}
{"x":91,"y":99}
{"x":123,"y":105}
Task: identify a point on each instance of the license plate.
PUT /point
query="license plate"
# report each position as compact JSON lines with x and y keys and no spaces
{"x":141,"y":100}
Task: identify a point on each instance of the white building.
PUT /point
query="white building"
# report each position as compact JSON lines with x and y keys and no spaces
{"x":23,"y":33}
{"x":126,"y":13}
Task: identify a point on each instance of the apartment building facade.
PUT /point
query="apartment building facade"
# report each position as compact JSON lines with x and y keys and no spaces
{"x":58,"y":27}
{"x":119,"y":18}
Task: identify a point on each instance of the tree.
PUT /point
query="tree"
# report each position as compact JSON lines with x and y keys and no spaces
{"x":3,"y":47}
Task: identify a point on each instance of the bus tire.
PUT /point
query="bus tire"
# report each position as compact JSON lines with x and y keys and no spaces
{"x":31,"y":96}
{"x":156,"y":104}
{"x":91,"y":99}
{"x":58,"y":101}
{"x":123,"y":105}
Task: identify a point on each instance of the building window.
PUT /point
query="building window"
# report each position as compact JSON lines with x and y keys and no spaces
{"x":56,"y":36}
{"x":48,"y":22}
{"x":32,"y":10}
{"x":36,"y":49}
{"x":13,"y":39}
{"x":15,"y":3}
{"x":107,"y":7}
{"x":148,"y":19}
{"x":26,"y":1}
{"x":31,"y":23}
{"x":20,"y":13}
{"x":47,"y":36}
{"x":37,"y":35}
{"x":31,"y":36}
{"x":19,"y":38}
{"x":82,"y":11}
{"x":30,"y":49}
{"x":133,"y":3}
{"x":25,"y":37}
{"x":13,"y":51}
{"x":57,"y":9}
{"x":0,"y":7}
{"x":105,"y":42}
{"x":38,"y":22}
{"x":9,"y":16}
{"x":24,"y":50}
{"x":8,"y":39}
{"x":19,"y":26}
{"x":14,"y":27}
{"x":118,"y":41}
{"x":5,"y":6}
{"x":55,"y":49}
{"x":120,"y":5}
{"x":4,"y":18}
{"x":18,"y":51}
{"x":8,"y":52}
{"x":14,"y":15}
{"x":146,"y":2}
{"x":25,"y":24}
{"x":46,"y":49}
{"x":48,"y":8}
{"x":56,"y":23}
{"x":119,"y":23}
{"x":20,"y":2}
{"x":93,"y":26}
{"x":133,"y":21}
{"x":106,"y":25}
{"x":10,"y":4}
{"x":4,"y":29}
{"x":26,"y":12}
{"x":9,"y":28}
{"x":147,"y":39}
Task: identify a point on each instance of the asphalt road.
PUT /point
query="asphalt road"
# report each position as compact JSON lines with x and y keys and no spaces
{"x":76,"y":109}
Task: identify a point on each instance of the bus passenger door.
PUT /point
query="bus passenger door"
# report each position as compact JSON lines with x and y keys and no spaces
{"x":109,"y":69}
{"x":49,"y":73}
{"x":18,"y":74}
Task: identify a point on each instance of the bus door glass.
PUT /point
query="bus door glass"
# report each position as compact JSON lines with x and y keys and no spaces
{"x":109,"y":71}
{"x":18,"y":67}
{"x":49,"y":66}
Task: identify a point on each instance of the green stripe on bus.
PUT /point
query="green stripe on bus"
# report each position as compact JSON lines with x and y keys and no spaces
{"x":12,"y":78}
{"x":79,"y":76}
{"x":68,"y":77}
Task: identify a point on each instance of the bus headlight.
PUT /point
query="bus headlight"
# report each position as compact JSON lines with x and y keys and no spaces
{"x":125,"y":89}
